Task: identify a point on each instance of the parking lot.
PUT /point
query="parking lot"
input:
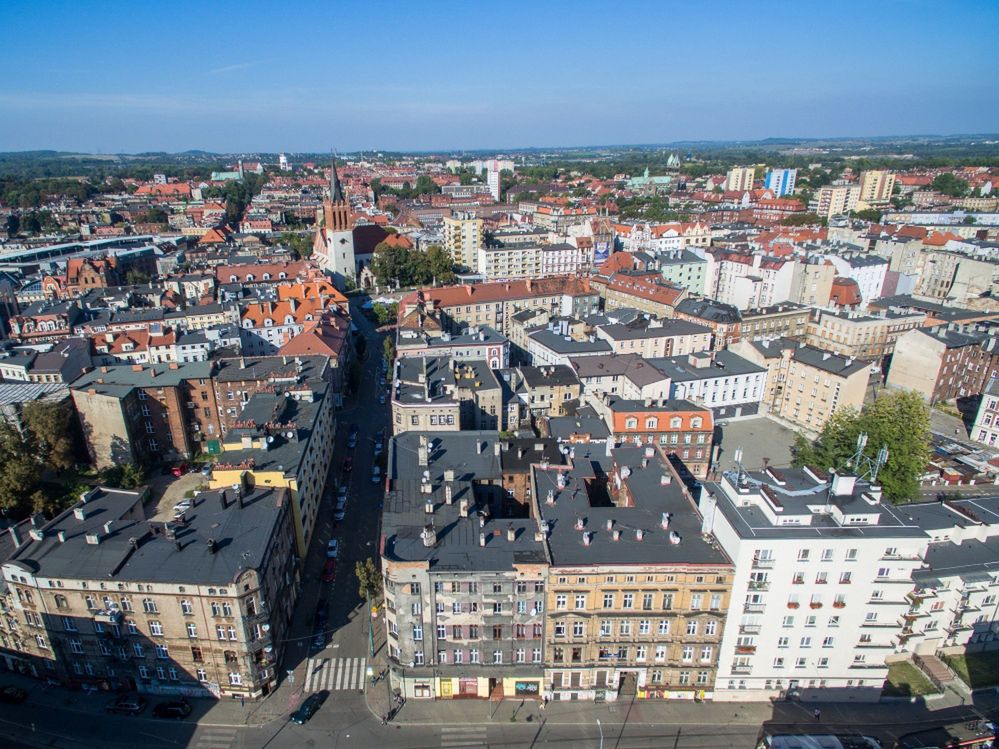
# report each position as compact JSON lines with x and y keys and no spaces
{"x":759,"y":438}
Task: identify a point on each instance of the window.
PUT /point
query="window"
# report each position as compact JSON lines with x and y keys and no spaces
{"x":562,"y":601}
{"x":235,"y":679}
{"x":688,"y":653}
{"x":161,"y":651}
{"x":644,"y":627}
{"x":417,"y":632}
{"x":605,"y":628}
{"x":663,"y":626}
{"x":580,"y":601}
{"x":138,"y":650}
{"x":156,"y":628}
{"x":695,"y":601}
{"x":706,"y":652}
{"x":628,"y":601}
{"x":710,"y":627}
{"x":577,"y":629}
{"x":76,"y":646}
{"x":185,"y":608}
{"x":667,"y":601}
{"x":497,"y":656}
{"x":608,"y":600}
{"x":68,"y":624}
{"x":441,"y":632}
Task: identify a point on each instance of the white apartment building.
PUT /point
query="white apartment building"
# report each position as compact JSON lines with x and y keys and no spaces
{"x":986,"y":429}
{"x":564,"y":259}
{"x":876,"y":186}
{"x":823,"y":571}
{"x":626,"y":375}
{"x":867,"y":269}
{"x":722,"y":381}
{"x":510,"y":262}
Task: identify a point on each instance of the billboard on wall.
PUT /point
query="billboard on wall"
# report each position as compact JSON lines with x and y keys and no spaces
{"x":602,"y":251}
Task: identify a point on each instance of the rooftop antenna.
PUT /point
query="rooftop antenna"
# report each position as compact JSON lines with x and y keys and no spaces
{"x":864,"y":466}
{"x":737,"y":456}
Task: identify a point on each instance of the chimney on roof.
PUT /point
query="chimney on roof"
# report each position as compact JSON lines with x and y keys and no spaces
{"x":423,"y":451}
{"x":665,"y":521}
{"x":616,"y":535}
{"x":482,"y":539}
{"x":586,"y":539}
{"x":428,"y":506}
{"x":212,"y":546}
{"x":511,"y":534}
{"x":15,"y":537}
{"x":108,"y":526}
{"x":580,"y":524}
{"x":639,"y":534}
{"x":448,"y":494}
{"x":429,"y":535}
{"x":222,"y":500}
{"x":497,"y":447}
{"x":463,"y":507}
{"x":610,"y":524}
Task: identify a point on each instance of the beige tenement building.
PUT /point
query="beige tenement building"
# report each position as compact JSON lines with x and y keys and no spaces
{"x":100,"y":596}
{"x":835,"y":200}
{"x":806,"y":385}
{"x":463,"y":238}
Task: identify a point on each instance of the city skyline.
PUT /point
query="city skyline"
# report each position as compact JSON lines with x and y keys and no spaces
{"x":395,"y":77}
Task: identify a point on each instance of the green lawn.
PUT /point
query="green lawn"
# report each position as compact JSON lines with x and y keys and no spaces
{"x":905,"y":680}
{"x":977,"y":670}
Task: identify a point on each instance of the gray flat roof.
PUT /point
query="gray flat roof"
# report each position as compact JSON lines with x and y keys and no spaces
{"x":725,"y":364}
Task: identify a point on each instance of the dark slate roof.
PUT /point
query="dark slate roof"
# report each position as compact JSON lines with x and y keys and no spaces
{"x":724,"y":364}
{"x":583,"y":496}
{"x":242,"y":535}
{"x":709,"y":309}
{"x":585,"y":421}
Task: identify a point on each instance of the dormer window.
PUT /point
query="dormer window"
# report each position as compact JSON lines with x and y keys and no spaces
{"x":233,"y":279}
{"x":282,"y":274}
{"x":695,"y":423}
{"x":268,"y":322}
{"x":266,"y":276}
{"x":631,"y":423}
{"x":289,"y":320}
{"x":675,"y":423}
{"x":250,"y":277}
{"x":651,"y":423}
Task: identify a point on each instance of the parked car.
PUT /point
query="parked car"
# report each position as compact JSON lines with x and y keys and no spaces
{"x":13,"y":695}
{"x":352,"y":437}
{"x":181,"y":507}
{"x":179,"y":470}
{"x":329,"y":571}
{"x":332,"y":549}
{"x":348,"y":463}
{"x":376,"y":475}
{"x":381,"y":399}
{"x":127,"y":704}
{"x":339,"y":514}
{"x":341,"y":493}
{"x":206,"y":469}
{"x":176,"y":709}
{"x":308,"y":708}
{"x":379,"y":442}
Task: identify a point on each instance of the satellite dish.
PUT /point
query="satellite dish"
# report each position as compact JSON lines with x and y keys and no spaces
{"x":270,"y":438}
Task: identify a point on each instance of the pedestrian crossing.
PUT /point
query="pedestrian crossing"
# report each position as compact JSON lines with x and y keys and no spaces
{"x":335,"y":674}
{"x":463,"y":737}
{"x":213,"y":737}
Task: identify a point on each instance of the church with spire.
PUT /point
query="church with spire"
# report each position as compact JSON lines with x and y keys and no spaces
{"x":333,"y":246}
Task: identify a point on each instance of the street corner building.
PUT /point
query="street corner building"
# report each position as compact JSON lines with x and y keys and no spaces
{"x":103,"y":597}
{"x":525,"y":568}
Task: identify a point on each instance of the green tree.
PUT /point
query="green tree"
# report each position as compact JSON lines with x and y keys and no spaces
{"x":13,"y":224}
{"x":803,"y":219}
{"x":388,"y":351}
{"x":441,"y":265}
{"x":19,"y":470}
{"x":369,"y":579}
{"x":136,"y":277}
{"x":54,"y":428}
{"x":868,"y":214}
{"x":898,"y":420}
{"x":385,"y":313}
{"x":124,"y":476}
{"x":948,"y":184}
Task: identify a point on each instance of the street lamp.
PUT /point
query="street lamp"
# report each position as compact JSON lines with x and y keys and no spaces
{"x":601,"y":729}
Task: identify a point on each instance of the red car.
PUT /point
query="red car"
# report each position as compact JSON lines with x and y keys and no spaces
{"x":329,"y":570}
{"x":180,"y":470}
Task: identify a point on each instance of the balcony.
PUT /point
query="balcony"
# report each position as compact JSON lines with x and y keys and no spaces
{"x":759,"y":585}
{"x":753,"y":608}
{"x":110,"y":616}
{"x":749,"y":629}
{"x":745,"y":649}
{"x":742,"y":670}
{"x":763,"y":564}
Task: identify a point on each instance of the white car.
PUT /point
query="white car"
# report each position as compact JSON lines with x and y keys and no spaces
{"x":181,"y":507}
{"x":332,"y":549}
{"x":341,"y":494}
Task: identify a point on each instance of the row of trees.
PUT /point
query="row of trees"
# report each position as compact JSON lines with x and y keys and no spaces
{"x":898,"y":420}
{"x":424,"y":186}
{"x":411,"y":267}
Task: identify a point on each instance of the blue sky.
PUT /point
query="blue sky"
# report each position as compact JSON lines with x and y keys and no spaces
{"x":301,"y":76}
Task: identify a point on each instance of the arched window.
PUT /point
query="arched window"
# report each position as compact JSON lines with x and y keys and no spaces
{"x":250,"y":277}
{"x":266,"y":276}
{"x":282,"y":274}
{"x":233,"y":279}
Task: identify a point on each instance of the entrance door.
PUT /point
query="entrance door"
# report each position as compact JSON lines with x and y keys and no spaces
{"x":627,"y":684}
{"x":445,"y":687}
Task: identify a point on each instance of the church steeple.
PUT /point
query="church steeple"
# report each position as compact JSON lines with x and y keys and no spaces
{"x":336,"y":189}
{"x":337,"y":208}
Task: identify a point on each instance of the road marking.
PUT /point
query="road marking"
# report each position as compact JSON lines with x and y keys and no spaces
{"x":335,"y":674}
{"x":215,"y":738}
{"x":462,"y":737}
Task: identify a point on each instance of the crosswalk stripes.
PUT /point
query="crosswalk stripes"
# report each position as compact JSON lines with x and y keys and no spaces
{"x":215,"y":738}
{"x":335,"y":674}
{"x":463,"y":737}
